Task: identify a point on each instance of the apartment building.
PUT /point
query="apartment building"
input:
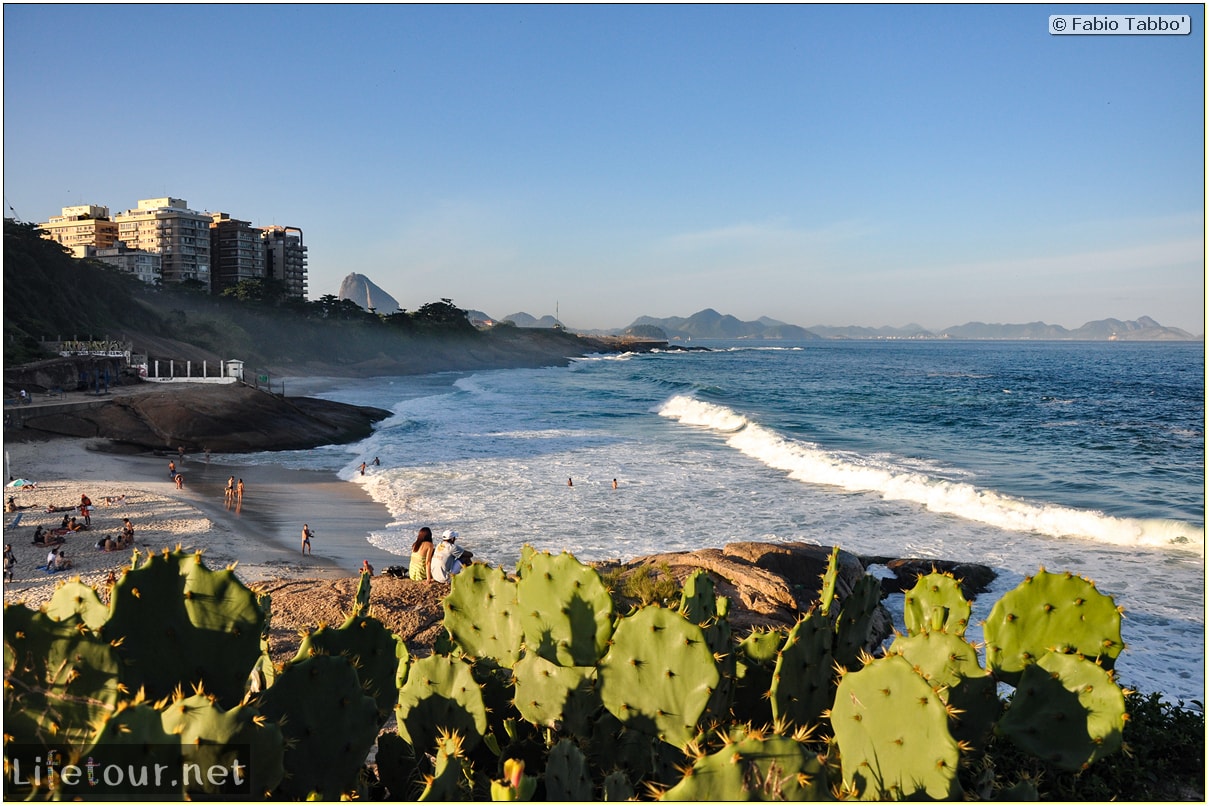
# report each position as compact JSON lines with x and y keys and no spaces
{"x":180,"y":236}
{"x":142,"y":264}
{"x":285,"y":258}
{"x":82,"y":227}
{"x":237,"y":252}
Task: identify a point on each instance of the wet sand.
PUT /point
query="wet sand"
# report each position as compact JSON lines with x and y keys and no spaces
{"x":261,"y":535}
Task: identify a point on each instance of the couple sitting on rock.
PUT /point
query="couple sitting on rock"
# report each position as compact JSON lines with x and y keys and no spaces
{"x":438,"y":563}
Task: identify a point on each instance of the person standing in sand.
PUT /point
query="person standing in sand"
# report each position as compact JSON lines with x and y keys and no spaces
{"x":171,"y":469}
{"x":306,"y":540}
{"x":230,"y":487}
{"x":420,"y":568}
{"x":239,"y":491}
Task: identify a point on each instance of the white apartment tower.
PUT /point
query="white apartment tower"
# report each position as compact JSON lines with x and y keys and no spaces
{"x":180,"y":236}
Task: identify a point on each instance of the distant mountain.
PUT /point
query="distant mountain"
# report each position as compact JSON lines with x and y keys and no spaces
{"x":363,"y":291}
{"x":709,"y":324}
{"x":526,"y":320}
{"x":1143,"y":329}
{"x":911,"y":331}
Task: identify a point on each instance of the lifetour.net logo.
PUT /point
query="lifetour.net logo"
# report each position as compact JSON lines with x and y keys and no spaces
{"x":135,"y":771}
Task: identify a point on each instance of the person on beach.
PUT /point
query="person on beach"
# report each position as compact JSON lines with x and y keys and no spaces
{"x":181,"y":452}
{"x":306,"y":540}
{"x":10,"y":562}
{"x":86,"y":509}
{"x":127,"y":538}
{"x":363,"y":468}
{"x":10,"y":505}
{"x":207,"y":456}
{"x":420,"y":567}
{"x":51,"y":556}
{"x":376,"y":462}
{"x":230,"y":487}
{"x":366,"y":568}
{"x":171,"y":469}
{"x":61,"y":561}
{"x":239,"y":491}
{"x":180,"y":481}
{"x":448,"y":558}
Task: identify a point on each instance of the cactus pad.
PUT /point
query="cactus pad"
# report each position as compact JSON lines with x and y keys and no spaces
{"x":566,"y":611}
{"x":1051,"y":612}
{"x":936,"y":604}
{"x":1066,"y":710}
{"x":893,"y":734}
{"x":659,"y":674}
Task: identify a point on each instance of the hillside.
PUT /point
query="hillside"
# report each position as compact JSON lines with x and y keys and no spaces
{"x":48,"y":295}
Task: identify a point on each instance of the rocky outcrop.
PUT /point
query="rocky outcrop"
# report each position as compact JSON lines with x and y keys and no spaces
{"x":972,"y":577}
{"x":768,"y":584}
{"x":363,"y":291}
{"x":222,"y":418}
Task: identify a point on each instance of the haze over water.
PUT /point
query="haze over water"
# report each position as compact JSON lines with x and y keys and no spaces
{"x":1087,"y":457}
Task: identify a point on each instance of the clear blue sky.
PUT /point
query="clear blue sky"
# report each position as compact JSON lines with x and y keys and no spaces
{"x":868,"y":165}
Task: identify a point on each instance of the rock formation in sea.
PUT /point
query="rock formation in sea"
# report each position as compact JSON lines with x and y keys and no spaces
{"x":363,"y":291}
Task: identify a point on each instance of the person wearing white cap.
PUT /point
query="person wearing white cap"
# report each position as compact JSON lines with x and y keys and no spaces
{"x":448,"y":558}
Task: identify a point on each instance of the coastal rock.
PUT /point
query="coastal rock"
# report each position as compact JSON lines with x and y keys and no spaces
{"x":769,"y":584}
{"x":226,"y":418}
{"x":972,"y":577}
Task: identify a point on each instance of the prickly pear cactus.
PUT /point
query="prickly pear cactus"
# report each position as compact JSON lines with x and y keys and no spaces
{"x":755,"y":663}
{"x":758,"y":767}
{"x":361,"y":600}
{"x":452,"y":778}
{"x":398,"y":767}
{"x":708,"y":611}
{"x":60,"y":679}
{"x":482,"y":614}
{"x":376,"y":653}
{"x":515,"y":784}
{"x":441,"y":694}
{"x":328,"y":722}
{"x":567,"y":775}
{"x":893,"y":735}
{"x":950,"y":665}
{"x":1051,"y":612}
{"x":658,"y":675}
{"x":566,"y":611}
{"x":830,"y":576}
{"x":936,"y":604}
{"x":177,"y":623}
{"x":75,"y":597}
{"x":1066,"y":710}
{"x":616,"y":787}
{"x":238,"y":740}
{"x":854,"y":623}
{"x":553,"y":696}
{"x":801,"y":681}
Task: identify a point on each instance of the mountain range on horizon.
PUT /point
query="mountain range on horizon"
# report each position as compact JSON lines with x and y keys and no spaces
{"x":709,"y":324}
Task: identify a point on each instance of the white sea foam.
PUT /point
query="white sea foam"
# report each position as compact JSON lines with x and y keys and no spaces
{"x":809,"y":463}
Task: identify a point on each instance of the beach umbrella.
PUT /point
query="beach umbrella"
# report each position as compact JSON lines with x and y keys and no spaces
{"x":22,"y":483}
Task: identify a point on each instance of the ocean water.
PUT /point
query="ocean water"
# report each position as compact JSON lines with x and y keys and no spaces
{"x":1087,"y":457}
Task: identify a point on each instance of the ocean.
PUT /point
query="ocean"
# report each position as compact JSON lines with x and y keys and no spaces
{"x":1072,"y":456}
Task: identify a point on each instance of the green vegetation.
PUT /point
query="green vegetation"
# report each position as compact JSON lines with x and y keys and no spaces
{"x":540,"y":690}
{"x":48,"y":294}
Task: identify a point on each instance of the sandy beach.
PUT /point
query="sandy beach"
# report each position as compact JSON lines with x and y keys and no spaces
{"x":261,"y":535}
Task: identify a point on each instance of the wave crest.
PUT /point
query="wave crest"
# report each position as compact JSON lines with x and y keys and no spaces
{"x":810,"y":463}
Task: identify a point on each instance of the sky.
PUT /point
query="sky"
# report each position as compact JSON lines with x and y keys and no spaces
{"x":820,"y":165}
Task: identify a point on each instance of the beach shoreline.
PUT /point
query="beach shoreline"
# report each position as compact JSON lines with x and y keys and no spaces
{"x":260,"y":536}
